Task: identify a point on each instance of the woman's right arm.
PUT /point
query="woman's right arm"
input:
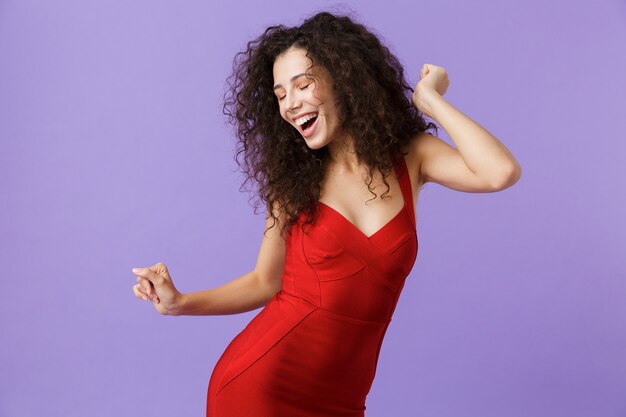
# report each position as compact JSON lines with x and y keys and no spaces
{"x":248,"y":292}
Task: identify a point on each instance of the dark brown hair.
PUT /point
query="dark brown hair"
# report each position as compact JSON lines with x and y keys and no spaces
{"x":373,"y":100}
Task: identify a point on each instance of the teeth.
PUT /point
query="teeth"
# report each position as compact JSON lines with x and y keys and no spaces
{"x":305,"y":118}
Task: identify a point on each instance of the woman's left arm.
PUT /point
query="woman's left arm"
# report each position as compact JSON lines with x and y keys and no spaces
{"x":481,"y":163}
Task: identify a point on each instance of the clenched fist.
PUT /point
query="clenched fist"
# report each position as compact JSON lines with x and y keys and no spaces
{"x":155,"y":283}
{"x":433,"y":80}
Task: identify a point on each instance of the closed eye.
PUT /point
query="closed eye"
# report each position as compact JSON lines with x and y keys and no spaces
{"x":301,"y":89}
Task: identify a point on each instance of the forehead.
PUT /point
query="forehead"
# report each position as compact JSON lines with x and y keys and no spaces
{"x":289,"y":63}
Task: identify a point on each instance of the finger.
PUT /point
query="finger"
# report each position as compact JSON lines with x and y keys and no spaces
{"x":150,"y":275}
{"x":148,"y":289}
{"x":146,"y":285}
{"x":139,"y":293}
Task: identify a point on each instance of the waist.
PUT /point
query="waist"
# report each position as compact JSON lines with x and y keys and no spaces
{"x":288,"y":297}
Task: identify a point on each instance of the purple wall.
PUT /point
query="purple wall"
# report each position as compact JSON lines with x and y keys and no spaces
{"x":114,"y":153}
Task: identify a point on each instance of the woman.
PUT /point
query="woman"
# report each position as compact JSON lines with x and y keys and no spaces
{"x":320,"y":108}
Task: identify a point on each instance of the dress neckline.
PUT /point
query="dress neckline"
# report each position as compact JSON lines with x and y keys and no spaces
{"x":400,"y":171}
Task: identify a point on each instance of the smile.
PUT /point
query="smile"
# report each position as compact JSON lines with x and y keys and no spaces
{"x":301,"y":120}
{"x":309,"y":125}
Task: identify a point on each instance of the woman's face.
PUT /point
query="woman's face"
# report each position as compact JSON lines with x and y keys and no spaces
{"x":306,"y":102}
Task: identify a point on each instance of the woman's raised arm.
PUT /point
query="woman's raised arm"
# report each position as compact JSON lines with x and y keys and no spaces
{"x":479,"y":163}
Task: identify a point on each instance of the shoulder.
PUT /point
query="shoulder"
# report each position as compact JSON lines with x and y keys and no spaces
{"x":276,"y":219}
{"x":416,"y":151}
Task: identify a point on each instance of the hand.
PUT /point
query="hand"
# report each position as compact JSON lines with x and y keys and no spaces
{"x":433,"y":80}
{"x":155,"y":282}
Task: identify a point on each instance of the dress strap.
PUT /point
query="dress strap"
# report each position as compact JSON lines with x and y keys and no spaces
{"x":406,"y":187}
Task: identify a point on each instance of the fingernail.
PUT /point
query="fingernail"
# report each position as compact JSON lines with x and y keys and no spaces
{"x":144,"y":298}
{"x":135,"y":269}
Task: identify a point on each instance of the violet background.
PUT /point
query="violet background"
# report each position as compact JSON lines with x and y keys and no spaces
{"x":114,"y":153}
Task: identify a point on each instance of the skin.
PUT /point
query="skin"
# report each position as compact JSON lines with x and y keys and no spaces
{"x":343,"y":188}
{"x":480,"y":163}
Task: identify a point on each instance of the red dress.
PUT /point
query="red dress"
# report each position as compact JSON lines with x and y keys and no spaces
{"x":312,"y":351}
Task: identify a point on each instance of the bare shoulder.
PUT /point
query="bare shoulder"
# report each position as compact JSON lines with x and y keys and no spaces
{"x":271,"y":259}
{"x":414,"y":157}
{"x":274,"y":224}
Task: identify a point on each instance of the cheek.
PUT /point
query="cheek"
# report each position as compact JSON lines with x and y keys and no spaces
{"x":284,"y":117}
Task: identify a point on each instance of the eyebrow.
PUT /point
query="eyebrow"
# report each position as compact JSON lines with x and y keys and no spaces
{"x":291,"y":80}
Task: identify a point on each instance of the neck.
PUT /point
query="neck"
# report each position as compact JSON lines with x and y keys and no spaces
{"x":342,"y":157}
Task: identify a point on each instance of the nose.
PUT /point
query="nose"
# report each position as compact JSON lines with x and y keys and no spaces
{"x":293,"y":103}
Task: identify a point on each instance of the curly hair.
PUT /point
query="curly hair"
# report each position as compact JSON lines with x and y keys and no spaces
{"x":373,"y":101}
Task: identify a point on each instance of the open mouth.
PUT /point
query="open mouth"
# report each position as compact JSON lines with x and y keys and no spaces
{"x":309,"y":127}
{"x":308,"y":123}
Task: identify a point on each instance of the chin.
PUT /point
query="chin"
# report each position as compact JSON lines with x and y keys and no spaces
{"x":313,"y":143}
{"x":317,"y":142}
{"x":315,"y":146}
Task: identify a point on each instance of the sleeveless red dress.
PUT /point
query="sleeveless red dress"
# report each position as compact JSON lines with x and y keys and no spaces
{"x":312,"y":351}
